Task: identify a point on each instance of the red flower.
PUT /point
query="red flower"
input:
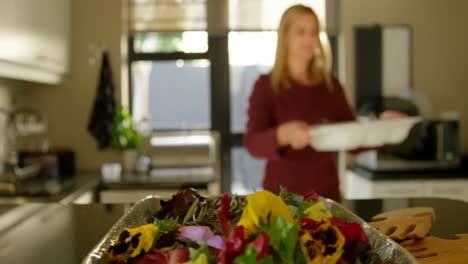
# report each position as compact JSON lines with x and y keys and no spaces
{"x":223,"y":216}
{"x":312,"y":195}
{"x":178,"y":255}
{"x":309,"y":224}
{"x":261,"y":245}
{"x":351,"y":231}
{"x":233,"y":247}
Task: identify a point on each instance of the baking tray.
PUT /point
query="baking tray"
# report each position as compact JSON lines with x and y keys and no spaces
{"x":142,"y":210}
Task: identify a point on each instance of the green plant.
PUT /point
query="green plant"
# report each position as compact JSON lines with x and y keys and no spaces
{"x":124,"y":135}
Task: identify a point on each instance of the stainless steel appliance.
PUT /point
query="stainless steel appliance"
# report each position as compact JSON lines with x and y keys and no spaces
{"x":432,"y":144}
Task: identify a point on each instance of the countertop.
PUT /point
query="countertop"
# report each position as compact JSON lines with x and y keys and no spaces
{"x":83,"y":181}
{"x":65,"y":233}
{"x":411,"y":174}
{"x":146,"y":181}
{"x":357,"y":186}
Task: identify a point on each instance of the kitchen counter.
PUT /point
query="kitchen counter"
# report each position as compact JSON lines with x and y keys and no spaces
{"x":83,"y":182}
{"x":356,"y":185}
{"x":133,"y":187}
{"x":145,"y":181}
{"x":421,"y":174}
{"x":65,"y":233}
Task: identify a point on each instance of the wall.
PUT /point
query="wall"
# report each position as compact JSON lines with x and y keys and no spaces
{"x":95,"y":25}
{"x":440,"y":61}
{"x":5,"y":104}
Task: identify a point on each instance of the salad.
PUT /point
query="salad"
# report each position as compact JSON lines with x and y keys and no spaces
{"x":259,"y":228}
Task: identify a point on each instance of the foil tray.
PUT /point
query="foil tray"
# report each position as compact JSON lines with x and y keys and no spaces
{"x":142,"y":210}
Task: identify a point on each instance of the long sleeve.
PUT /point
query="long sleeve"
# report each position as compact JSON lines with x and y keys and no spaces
{"x":344,"y":111}
{"x":260,"y":138}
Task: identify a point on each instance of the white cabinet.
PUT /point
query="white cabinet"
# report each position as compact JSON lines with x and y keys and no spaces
{"x":34,"y":39}
{"x":357,"y":187}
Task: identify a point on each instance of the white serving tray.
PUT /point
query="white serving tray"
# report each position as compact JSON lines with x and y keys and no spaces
{"x":352,"y":135}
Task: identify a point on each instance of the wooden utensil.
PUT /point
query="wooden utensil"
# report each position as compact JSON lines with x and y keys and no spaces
{"x":405,"y":223}
{"x":435,"y":250}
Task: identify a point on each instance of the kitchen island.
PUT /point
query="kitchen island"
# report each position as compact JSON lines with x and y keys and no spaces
{"x":65,"y":233}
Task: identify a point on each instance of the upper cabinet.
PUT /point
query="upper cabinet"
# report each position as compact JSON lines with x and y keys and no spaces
{"x":34,"y":39}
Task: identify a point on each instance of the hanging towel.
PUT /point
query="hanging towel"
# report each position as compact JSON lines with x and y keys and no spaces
{"x":102,"y":116}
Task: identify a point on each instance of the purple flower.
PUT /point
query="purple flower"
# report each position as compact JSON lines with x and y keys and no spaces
{"x":200,"y":235}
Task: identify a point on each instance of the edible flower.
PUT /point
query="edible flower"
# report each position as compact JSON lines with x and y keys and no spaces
{"x":201,"y":259}
{"x":318,"y":212}
{"x":260,"y":206}
{"x":356,"y":239}
{"x":200,"y":235}
{"x":132,"y":242}
{"x":351,"y":231}
{"x":224,"y":218}
{"x":311,"y":196}
{"x":177,"y":255}
{"x":200,"y":256}
{"x":262,"y":245}
{"x":234,"y":246}
{"x":320,"y":242}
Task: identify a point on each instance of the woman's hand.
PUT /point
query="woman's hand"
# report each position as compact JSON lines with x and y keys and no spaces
{"x":294,"y":133}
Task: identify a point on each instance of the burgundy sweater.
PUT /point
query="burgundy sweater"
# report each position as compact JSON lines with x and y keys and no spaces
{"x":302,"y":170}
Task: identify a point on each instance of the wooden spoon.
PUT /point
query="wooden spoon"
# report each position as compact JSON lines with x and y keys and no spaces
{"x":405,"y":223}
{"x":435,"y":250}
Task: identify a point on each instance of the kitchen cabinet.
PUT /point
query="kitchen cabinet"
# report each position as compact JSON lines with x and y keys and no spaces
{"x":358,"y":187}
{"x":54,"y":232}
{"x":34,"y":39}
{"x":20,"y":242}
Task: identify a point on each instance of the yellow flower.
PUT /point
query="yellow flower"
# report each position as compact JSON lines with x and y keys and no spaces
{"x":201,"y":259}
{"x":322,"y":245}
{"x":311,"y":250}
{"x":148,"y":232}
{"x":318,"y":212}
{"x":132,"y":241}
{"x":259,"y":205}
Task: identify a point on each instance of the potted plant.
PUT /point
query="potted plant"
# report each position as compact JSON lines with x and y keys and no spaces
{"x":126,"y":138}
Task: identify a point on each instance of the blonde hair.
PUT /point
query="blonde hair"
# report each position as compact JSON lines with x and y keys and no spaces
{"x":320,"y":65}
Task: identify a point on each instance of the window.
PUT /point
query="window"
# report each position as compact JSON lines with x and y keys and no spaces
{"x":169,"y":42}
{"x":247,"y":172}
{"x":173,"y":95}
{"x":169,"y":66}
{"x":250,"y":54}
{"x":167,"y":15}
{"x":265,"y":14}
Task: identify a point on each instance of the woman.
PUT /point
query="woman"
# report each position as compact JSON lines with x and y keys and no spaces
{"x":299,"y":92}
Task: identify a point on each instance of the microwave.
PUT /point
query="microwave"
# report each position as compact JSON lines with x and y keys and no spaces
{"x":431,"y":144}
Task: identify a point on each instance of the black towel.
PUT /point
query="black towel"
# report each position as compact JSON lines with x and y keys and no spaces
{"x":102,"y":117}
